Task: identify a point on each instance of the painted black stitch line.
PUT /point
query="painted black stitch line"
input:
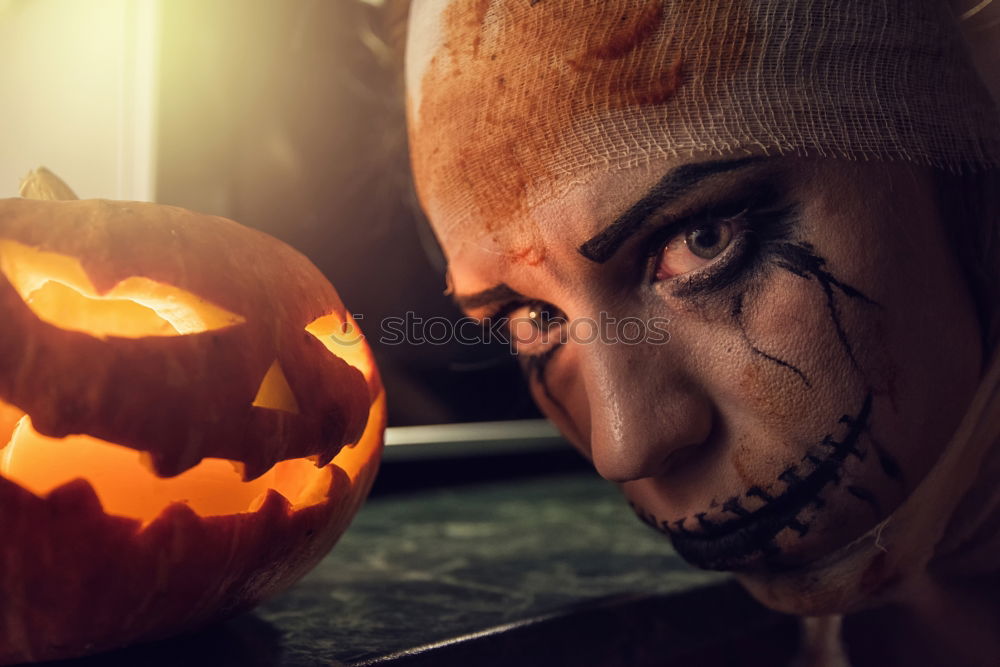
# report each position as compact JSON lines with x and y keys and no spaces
{"x":725,"y":544}
{"x":798,"y":527}
{"x":678,"y":526}
{"x":733,"y":506}
{"x":646,"y":517}
{"x":790,"y":476}
{"x":812,"y":458}
{"x":664,"y":527}
{"x":737,"y":314}
{"x":800,"y":259}
{"x":757,"y":492}
{"x":652,"y":521}
{"x":854,"y":451}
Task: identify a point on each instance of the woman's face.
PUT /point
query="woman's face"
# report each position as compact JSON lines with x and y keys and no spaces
{"x":767,"y":354}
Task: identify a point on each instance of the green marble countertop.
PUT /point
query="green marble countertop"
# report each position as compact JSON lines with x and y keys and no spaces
{"x":550,"y":570}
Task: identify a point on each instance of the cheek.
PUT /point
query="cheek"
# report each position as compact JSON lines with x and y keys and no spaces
{"x":922,"y":360}
{"x":784,"y":356}
{"x":919,"y":351}
{"x":778,"y":374}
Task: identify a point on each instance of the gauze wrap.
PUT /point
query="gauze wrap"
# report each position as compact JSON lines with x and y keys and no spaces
{"x":529,"y":95}
{"x":514,"y":101}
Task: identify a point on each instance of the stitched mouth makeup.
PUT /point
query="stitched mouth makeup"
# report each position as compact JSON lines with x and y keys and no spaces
{"x":736,"y":538}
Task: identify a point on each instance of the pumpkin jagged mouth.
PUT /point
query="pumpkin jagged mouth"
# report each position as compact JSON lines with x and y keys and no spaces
{"x":126,"y":485}
{"x":58,"y":290}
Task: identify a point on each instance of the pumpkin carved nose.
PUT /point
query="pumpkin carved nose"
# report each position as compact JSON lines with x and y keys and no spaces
{"x":275,"y":392}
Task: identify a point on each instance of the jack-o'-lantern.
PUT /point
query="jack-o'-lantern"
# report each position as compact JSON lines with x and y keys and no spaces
{"x":189,"y":419}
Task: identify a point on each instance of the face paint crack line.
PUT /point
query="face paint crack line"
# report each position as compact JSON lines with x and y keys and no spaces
{"x":886,"y":461}
{"x":801,"y":260}
{"x":737,"y":314}
{"x":534,"y":368}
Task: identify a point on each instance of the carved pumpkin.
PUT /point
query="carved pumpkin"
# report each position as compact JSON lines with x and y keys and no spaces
{"x":189,"y":420}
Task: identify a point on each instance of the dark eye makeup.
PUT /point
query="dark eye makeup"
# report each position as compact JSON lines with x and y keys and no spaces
{"x":732,"y":234}
{"x":750,"y":221}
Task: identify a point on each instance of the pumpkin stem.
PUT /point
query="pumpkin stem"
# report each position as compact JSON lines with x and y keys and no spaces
{"x":43,"y":184}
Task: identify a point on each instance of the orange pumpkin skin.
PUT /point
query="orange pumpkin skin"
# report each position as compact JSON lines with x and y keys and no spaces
{"x":75,"y":579}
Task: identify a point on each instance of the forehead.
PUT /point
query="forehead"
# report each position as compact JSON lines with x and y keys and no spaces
{"x":551,"y":222}
{"x":602,"y":211}
{"x":510,"y":102}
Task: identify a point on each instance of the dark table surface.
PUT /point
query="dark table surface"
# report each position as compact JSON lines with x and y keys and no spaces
{"x":550,"y":570}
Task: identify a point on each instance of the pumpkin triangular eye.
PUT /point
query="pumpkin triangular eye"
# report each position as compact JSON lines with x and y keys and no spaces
{"x":274,"y":392}
{"x":343,"y":338}
{"x":59,"y":292}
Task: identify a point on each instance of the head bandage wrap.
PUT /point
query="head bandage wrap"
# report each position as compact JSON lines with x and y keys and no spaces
{"x":512,"y":101}
{"x":508,"y":96}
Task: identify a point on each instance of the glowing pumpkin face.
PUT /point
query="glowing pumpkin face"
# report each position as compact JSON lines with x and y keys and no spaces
{"x":188,"y":421}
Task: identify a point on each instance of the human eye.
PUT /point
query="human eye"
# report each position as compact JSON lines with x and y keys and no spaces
{"x":719,"y":246}
{"x":698,"y":245}
{"x":535,"y":328}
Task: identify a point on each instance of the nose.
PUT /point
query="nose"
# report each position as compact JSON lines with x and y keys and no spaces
{"x":643,"y":408}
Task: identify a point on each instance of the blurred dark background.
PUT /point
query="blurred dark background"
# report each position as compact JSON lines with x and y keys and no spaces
{"x":289,"y":117}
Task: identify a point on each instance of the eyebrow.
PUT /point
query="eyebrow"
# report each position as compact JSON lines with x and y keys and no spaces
{"x":496,"y":294}
{"x":675,"y":183}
